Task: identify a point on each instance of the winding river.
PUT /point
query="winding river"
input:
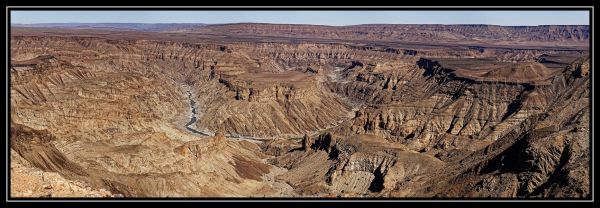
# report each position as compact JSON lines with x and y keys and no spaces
{"x":194,"y":118}
{"x":335,"y":76}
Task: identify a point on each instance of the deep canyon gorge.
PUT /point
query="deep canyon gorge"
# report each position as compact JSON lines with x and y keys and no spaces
{"x":267,"y":110}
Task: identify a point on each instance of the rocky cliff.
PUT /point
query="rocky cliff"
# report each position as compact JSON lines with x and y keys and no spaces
{"x":140,"y":114}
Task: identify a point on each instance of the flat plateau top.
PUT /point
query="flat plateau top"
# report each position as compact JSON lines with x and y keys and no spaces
{"x":213,"y":37}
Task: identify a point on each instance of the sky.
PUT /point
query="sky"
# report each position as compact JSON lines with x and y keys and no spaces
{"x":335,"y":18}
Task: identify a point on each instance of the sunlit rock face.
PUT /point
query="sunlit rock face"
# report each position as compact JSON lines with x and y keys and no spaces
{"x":309,"y":111}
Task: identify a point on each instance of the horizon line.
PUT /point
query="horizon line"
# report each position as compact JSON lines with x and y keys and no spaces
{"x":294,"y":24}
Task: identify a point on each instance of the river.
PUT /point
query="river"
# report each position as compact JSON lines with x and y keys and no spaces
{"x":205,"y":133}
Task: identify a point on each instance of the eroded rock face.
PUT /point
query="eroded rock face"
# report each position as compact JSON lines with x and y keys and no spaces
{"x":532,"y":163}
{"x":29,"y":181}
{"x":135,"y":116}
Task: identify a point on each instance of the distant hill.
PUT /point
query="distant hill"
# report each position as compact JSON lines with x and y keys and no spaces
{"x":555,"y":34}
{"x":158,"y":27}
{"x":425,"y":32}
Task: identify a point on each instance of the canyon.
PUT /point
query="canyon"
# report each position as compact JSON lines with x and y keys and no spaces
{"x":268,"y":110}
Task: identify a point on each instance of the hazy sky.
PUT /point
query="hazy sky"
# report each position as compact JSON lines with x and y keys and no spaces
{"x":308,"y":17}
